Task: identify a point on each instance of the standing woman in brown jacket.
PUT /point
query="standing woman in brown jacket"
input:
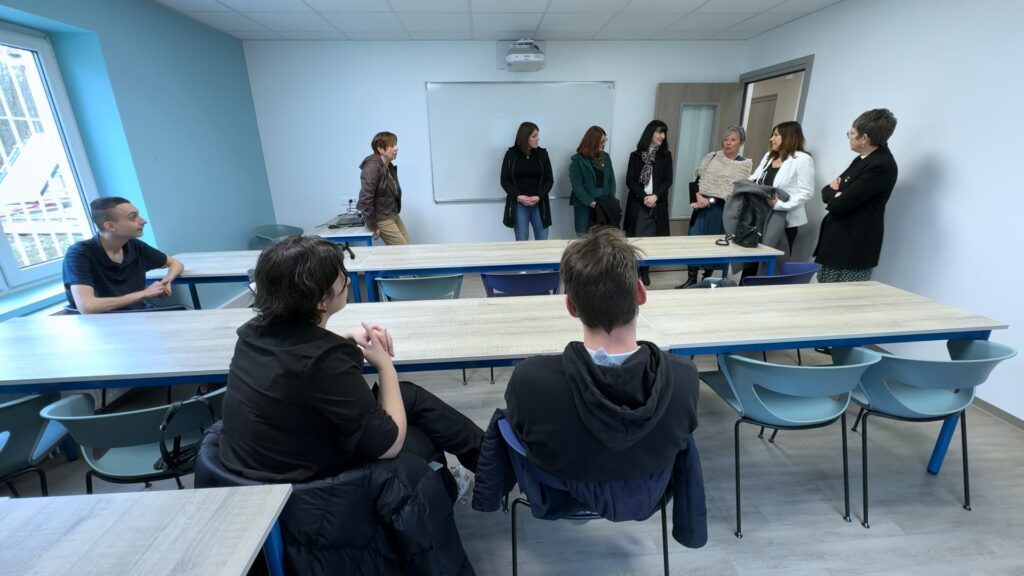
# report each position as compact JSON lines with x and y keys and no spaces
{"x":380,"y":194}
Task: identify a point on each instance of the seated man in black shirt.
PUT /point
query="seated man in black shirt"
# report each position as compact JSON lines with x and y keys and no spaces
{"x":108,"y":271}
{"x":609,"y":408}
{"x":297,"y":407}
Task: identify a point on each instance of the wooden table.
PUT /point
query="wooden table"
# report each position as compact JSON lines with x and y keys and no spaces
{"x":544,"y":255}
{"x":208,"y":531}
{"x":234,"y":266}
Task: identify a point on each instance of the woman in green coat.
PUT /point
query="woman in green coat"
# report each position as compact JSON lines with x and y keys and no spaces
{"x":591,"y":176}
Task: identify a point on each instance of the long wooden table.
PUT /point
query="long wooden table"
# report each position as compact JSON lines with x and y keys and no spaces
{"x":209,"y":531}
{"x":545,"y":255}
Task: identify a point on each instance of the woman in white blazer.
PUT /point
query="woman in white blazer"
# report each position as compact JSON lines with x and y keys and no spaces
{"x":789,"y":167}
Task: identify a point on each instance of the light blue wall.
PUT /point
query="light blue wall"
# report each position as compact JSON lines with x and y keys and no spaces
{"x":166,"y":113}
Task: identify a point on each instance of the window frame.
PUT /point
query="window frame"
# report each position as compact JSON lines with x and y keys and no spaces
{"x":11,"y":276}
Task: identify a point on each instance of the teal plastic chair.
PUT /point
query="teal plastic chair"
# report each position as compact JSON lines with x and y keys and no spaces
{"x":789,"y":398}
{"x":26,"y":438}
{"x":520,"y":283}
{"x":446,"y":287}
{"x":914,"y":390}
{"x":270,"y":233}
{"x":124,"y":447}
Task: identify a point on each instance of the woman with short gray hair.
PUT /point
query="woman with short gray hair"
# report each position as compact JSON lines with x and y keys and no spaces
{"x":717,"y":172}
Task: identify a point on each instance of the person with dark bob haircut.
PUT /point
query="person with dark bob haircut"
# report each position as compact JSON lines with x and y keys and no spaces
{"x":649,"y":181}
{"x":850,"y":240}
{"x":609,"y":409}
{"x":297,"y":407}
{"x":380,"y":194}
{"x":527,"y":179}
{"x":590,"y":176}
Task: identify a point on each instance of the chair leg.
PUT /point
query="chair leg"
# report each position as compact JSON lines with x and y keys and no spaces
{"x":736,"y":437}
{"x":492,"y":375}
{"x":857,"y":421}
{"x":664,"y":533}
{"x":178,"y":480}
{"x":42,"y":481}
{"x":846,"y":472}
{"x":772,"y":439}
{"x":515,"y":540}
{"x":14,"y":491}
{"x":799,"y":360}
{"x":864,"y":464}
{"x":764,"y":355}
{"x":761,"y":433}
{"x":169,"y":399}
{"x":88,"y":482}
{"x":465,"y":382}
{"x":967,"y":470}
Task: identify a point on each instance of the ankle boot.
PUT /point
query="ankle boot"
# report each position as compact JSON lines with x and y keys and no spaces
{"x":691,"y":278}
{"x":645,"y":275}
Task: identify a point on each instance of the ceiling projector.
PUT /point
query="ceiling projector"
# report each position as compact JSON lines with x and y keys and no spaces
{"x":524,"y":56}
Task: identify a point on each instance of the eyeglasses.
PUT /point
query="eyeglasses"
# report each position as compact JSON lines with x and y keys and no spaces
{"x":852,"y":134}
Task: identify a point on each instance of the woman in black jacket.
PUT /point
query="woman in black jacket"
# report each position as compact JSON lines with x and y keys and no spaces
{"x":526,"y":178}
{"x":851,"y":233}
{"x":648,"y":179}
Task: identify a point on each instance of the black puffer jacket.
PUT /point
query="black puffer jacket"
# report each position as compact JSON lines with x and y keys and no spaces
{"x":390,"y":517}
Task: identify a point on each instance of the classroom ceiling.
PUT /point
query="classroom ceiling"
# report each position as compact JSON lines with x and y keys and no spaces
{"x":495,"y":19}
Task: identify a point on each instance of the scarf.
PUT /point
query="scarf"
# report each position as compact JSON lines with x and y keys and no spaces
{"x":648,"y":169}
{"x":598,"y":161}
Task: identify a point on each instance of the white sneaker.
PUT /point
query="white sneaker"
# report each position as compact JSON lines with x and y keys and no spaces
{"x":464,"y":481}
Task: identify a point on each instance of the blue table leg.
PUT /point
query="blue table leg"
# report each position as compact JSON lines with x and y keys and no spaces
{"x":353,"y":282}
{"x":371,"y":287}
{"x":273,"y":549}
{"x":194,"y":292}
{"x":942,"y":444}
{"x":771,"y":266}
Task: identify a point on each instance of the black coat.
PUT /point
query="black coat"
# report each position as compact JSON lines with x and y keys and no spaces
{"x":508,"y":184}
{"x":662,"y":179}
{"x":851,"y":233}
{"x":390,"y":517}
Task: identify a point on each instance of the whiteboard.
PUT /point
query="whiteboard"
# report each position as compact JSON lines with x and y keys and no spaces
{"x":472,"y":124}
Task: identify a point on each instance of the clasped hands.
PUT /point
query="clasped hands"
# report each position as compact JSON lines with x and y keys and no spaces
{"x":528,"y":200}
{"x":374,"y":341}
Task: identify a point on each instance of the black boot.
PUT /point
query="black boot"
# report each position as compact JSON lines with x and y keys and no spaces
{"x":691,"y":278}
{"x":645,"y":275}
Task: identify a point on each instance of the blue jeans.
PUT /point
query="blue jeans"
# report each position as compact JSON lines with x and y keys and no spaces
{"x":525,"y":216}
{"x":581,"y":219}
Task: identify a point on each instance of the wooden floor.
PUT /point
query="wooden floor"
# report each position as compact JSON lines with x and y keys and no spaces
{"x":792,"y":507}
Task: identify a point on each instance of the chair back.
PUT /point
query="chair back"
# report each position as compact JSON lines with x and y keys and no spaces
{"x":77,"y":413}
{"x":520,"y":283}
{"x":789,"y":273}
{"x":268,"y":234}
{"x":445,"y":287}
{"x":913,"y":388}
{"x":778,"y":395}
{"x":21,"y":429}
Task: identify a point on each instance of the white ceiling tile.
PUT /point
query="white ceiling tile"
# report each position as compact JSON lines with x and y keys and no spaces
{"x":639,"y":23}
{"x":421,"y":6}
{"x":623,"y":35}
{"x":564,"y":35}
{"x":441,"y":35}
{"x":360,"y":22}
{"x":802,"y":6}
{"x":574,"y":22}
{"x":230,"y":21}
{"x":662,"y":6}
{"x":315,"y":35}
{"x":257,"y":35}
{"x":505,"y":22}
{"x":586,"y":6}
{"x":763,"y":23}
{"x":349,"y":5}
{"x":683,"y":35}
{"x":734,"y":35}
{"x":508,"y":5}
{"x":379,"y":35}
{"x":267,"y":5}
{"x":707,"y":22}
{"x":194,"y":5}
{"x":292,"y":21}
{"x":738,"y":6}
{"x":428,"y":22}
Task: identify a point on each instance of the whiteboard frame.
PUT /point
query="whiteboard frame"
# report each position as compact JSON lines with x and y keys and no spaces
{"x":426,"y":91}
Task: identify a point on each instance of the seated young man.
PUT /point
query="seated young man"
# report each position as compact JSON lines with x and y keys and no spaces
{"x":108,"y":271}
{"x":297,"y":407}
{"x":610,"y":408}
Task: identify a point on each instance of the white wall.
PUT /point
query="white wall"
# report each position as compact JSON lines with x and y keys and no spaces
{"x":318,"y":104}
{"x":950,"y":72}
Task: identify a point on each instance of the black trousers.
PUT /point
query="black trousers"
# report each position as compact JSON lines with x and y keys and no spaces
{"x":435,"y":427}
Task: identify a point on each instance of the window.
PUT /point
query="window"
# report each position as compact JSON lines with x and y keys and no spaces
{"x":45,"y":181}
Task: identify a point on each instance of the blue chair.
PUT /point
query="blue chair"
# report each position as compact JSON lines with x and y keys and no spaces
{"x":25,"y":438}
{"x":268,"y":234}
{"x":444,"y":287}
{"x":789,"y":398}
{"x":914,"y":390}
{"x":522,"y":467}
{"x":520,"y":283}
{"x":131,"y":447}
{"x":498,"y":284}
